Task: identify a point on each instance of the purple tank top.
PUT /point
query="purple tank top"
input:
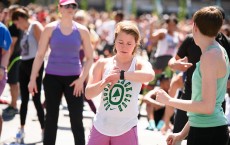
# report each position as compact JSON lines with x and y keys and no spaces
{"x":64,"y":59}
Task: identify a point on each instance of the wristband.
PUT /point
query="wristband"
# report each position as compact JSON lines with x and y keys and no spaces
{"x":122,"y":75}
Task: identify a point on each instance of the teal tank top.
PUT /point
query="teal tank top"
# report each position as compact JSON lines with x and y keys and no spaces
{"x":217,"y":118}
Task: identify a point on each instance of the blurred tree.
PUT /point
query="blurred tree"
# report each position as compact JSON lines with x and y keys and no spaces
{"x":154,"y":11}
{"x":182,"y":9}
{"x":84,"y":4}
{"x":108,"y":5}
{"x":134,"y":7}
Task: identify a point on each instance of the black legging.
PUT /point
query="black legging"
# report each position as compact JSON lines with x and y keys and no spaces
{"x":24,"y":78}
{"x":54,"y":87}
{"x":208,"y":136}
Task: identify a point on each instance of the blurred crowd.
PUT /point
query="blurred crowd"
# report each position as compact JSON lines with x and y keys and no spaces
{"x":101,"y":26}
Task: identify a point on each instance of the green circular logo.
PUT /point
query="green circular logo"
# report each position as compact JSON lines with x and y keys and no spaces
{"x":118,"y":97}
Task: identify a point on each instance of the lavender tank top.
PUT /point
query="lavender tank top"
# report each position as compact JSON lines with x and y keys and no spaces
{"x":64,"y":59}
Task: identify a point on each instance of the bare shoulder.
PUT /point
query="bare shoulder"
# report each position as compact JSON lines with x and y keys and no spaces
{"x":81,"y":28}
{"x":51,"y":26}
{"x":211,"y":55}
{"x":211,"y":60}
{"x":102,"y":62}
{"x":48,"y":30}
{"x":141,"y":62}
{"x":37,"y":24}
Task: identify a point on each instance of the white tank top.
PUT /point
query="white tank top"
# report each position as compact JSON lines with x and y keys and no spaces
{"x":118,"y":108}
{"x":28,"y":43}
{"x":168,"y":45}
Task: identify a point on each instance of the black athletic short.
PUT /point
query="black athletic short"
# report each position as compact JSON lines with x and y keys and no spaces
{"x":13,"y":73}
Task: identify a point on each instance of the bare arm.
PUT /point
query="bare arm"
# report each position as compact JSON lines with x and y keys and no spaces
{"x":5,"y":58}
{"x":185,"y":131}
{"x":4,"y":62}
{"x":38,"y":28}
{"x":173,"y":138}
{"x":144,"y":73}
{"x":209,"y":68}
{"x":148,"y":97}
{"x":156,"y":36}
{"x":177,"y":63}
{"x":88,"y":51}
{"x":94,"y":86}
{"x":42,"y":48}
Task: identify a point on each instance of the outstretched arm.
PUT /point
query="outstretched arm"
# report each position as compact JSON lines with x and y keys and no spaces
{"x":148,"y":98}
{"x":208,"y":69}
{"x":143,"y":73}
{"x":177,"y":63}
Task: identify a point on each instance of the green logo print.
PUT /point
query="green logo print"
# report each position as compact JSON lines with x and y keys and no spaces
{"x":118,"y":97}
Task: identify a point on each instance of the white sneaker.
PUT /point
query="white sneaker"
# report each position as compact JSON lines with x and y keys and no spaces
{"x":20,"y":136}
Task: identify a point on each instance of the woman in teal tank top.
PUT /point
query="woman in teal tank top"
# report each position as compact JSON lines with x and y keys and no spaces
{"x":207,"y":123}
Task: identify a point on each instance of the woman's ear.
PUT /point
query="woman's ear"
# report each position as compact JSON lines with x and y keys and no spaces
{"x":195,"y":28}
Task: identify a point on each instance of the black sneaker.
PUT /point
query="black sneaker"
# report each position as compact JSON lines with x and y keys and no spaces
{"x":9,"y":113}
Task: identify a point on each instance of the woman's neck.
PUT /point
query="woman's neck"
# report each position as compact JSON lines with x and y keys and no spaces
{"x":122,"y":63}
{"x":123,"y":60}
{"x":205,"y":44}
{"x":66,"y":22}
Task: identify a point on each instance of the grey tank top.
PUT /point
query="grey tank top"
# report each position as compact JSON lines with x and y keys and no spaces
{"x":29,"y":44}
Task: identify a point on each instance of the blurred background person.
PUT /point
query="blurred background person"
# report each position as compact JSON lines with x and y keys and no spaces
{"x":29,"y":44}
{"x":5,"y":42}
{"x":65,"y":74}
{"x":13,"y":67}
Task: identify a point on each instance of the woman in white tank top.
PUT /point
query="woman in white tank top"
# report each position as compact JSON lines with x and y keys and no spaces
{"x":117,"y":80}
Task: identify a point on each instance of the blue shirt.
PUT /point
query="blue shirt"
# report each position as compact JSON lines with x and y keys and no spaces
{"x":5,"y":37}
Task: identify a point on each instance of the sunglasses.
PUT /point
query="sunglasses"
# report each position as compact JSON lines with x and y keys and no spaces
{"x":73,"y":6}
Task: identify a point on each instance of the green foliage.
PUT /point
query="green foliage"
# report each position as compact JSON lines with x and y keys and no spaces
{"x":108,"y":5}
{"x":134,"y":7}
{"x":182,"y":9}
{"x":154,"y":10}
{"x":84,"y":4}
